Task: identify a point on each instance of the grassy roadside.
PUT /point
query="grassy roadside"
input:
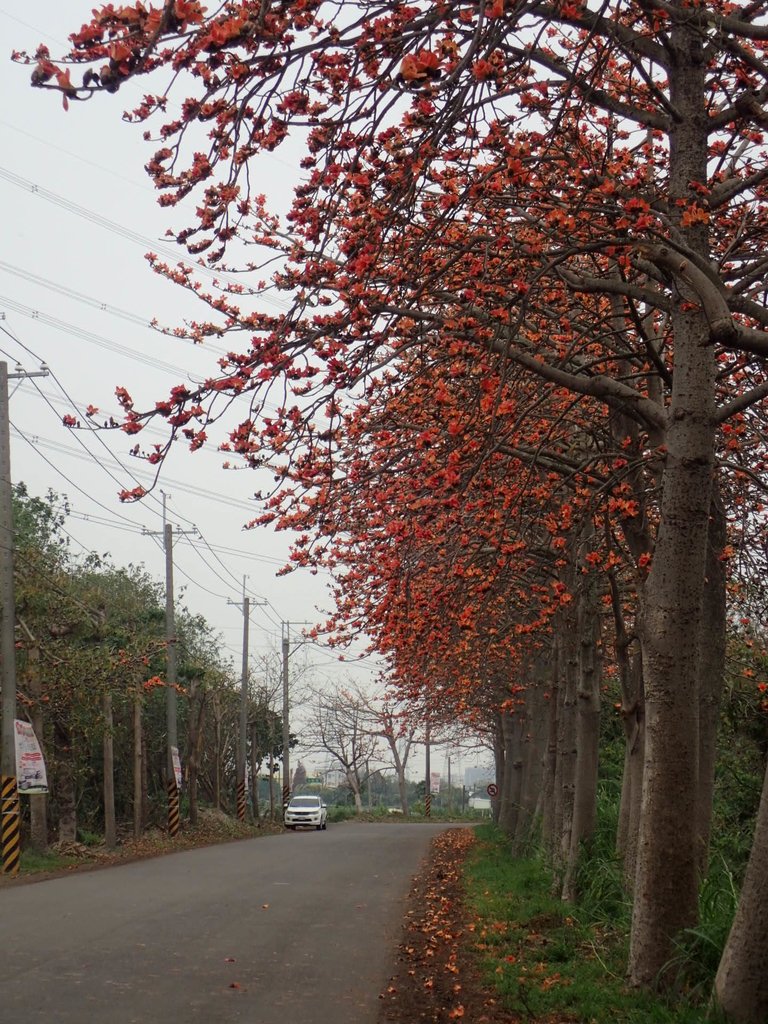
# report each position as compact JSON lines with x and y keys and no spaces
{"x":548,"y":960}
{"x":214,"y":827}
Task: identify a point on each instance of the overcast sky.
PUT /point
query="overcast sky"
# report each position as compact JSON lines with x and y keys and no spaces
{"x":78,"y":215}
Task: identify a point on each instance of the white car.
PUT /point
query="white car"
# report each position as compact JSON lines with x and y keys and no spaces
{"x":306,"y":810}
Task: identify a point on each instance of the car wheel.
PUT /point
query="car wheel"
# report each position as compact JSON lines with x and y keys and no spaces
{"x":325,"y":825}
{"x":318,"y":827}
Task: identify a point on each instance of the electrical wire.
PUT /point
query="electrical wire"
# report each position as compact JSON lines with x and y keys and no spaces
{"x":89,"y":337}
{"x":127,"y":233}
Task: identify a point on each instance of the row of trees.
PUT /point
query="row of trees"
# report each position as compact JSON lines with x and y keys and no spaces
{"x":520,"y":388}
{"x":92,"y":652}
{"x":91,"y":659}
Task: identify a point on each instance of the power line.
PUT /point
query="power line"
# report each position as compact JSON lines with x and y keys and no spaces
{"x":127,"y":233}
{"x":90,"y":337}
{"x":104,"y":307}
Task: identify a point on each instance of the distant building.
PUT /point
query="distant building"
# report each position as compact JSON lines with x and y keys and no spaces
{"x":478,"y":776}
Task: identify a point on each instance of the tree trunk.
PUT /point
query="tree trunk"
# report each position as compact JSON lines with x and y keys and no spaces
{"x":499,"y":755}
{"x":217,"y":753}
{"x":711,"y":672}
{"x":666,"y":889}
{"x":630,"y":669}
{"x":532,"y":756}
{"x":632,"y":784}
{"x":509,"y":801}
{"x":138,"y":764}
{"x":110,"y":825}
{"x":741,"y":985}
{"x":65,"y":784}
{"x":354,"y":785}
{"x":546,"y":809}
{"x":588,"y":633}
{"x":144,"y":802}
{"x":38,"y":802}
{"x":565,"y":780}
{"x":255,"y":769}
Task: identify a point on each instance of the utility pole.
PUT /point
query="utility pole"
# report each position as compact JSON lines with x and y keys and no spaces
{"x":242,"y":746}
{"x":171,"y":681}
{"x":286,"y":730}
{"x":286,"y":708}
{"x":10,"y":830}
{"x":171,"y":675}
{"x":428,"y":789}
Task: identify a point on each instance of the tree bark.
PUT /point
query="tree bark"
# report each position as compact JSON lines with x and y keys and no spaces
{"x":711,"y":672}
{"x":138,"y":764}
{"x":65,"y":783}
{"x":588,"y":633}
{"x":217,"y":753}
{"x":666,"y":889}
{"x":110,"y":825}
{"x":510,"y":793}
{"x":38,"y":802}
{"x":499,"y":756}
{"x":546,"y":808}
{"x":534,"y":744}
{"x":741,"y":985}
{"x":566,"y":778}
{"x":255,"y":768}
{"x":194,"y":735}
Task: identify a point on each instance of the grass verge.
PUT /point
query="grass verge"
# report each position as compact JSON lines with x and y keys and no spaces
{"x":548,"y":960}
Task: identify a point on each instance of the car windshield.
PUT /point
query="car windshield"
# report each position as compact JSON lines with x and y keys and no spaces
{"x":305,"y":801}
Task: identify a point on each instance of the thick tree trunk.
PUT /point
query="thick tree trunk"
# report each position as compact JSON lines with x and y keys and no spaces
{"x":546,"y":808}
{"x":630,"y":669}
{"x":666,"y":889}
{"x":402,"y":788}
{"x":65,"y":784}
{"x":711,"y":672}
{"x":741,"y":985}
{"x":138,"y":764}
{"x":217,"y":753}
{"x":588,"y":632}
{"x":534,"y":745}
{"x":632,"y":787}
{"x":255,"y":768}
{"x":110,"y":825}
{"x":565,"y":779}
{"x":354,"y":784}
{"x":499,"y":755}
{"x":510,"y":793}
{"x":194,"y":734}
{"x":38,"y":803}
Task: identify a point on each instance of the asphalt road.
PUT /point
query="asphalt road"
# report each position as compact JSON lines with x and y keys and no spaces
{"x":300,"y":928}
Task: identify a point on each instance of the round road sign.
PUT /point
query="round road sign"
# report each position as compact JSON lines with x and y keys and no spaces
{"x":492,"y":789}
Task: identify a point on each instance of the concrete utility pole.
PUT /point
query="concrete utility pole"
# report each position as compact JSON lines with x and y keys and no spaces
{"x":428,"y":790}
{"x":286,"y":709}
{"x":242,"y":746}
{"x":286,"y":730}
{"x":171,"y":680}
{"x":9,"y":794}
{"x":171,"y":674}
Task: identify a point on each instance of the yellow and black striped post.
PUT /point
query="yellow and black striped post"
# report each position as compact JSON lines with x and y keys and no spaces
{"x":241,"y":801}
{"x":173,"y":807}
{"x":11,"y":825}
{"x":286,"y":796}
{"x":428,"y":805}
